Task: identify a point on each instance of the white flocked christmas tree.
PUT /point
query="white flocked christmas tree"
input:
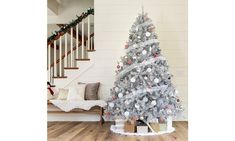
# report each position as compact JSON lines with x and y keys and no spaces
{"x":143,"y":89}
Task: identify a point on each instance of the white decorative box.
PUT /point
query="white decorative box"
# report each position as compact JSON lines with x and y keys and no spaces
{"x":120,"y":122}
{"x":142,"y":129}
{"x":119,"y":128}
{"x":169,"y":123}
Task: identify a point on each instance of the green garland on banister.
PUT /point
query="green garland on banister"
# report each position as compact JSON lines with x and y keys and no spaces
{"x":67,"y":27}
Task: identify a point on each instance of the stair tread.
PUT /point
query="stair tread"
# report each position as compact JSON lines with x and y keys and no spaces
{"x":91,"y":50}
{"x":59,"y":77}
{"x":83,"y":59}
{"x":71,"y":68}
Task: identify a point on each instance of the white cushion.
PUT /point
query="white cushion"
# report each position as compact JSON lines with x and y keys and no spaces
{"x":63,"y":94}
{"x":77,"y":92}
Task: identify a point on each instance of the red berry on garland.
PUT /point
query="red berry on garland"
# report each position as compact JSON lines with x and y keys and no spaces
{"x":178,"y":100}
{"x":118,"y":66}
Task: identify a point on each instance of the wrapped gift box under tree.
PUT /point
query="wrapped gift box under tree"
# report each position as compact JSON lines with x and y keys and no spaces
{"x":155,"y":125}
{"x":141,"y":127}
{"x":130,"y":126}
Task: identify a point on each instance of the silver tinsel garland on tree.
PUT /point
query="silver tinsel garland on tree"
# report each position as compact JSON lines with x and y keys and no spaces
{"x":143,"y":88}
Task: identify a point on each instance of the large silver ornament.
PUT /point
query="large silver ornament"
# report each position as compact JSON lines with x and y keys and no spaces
{"x":120,"y":95}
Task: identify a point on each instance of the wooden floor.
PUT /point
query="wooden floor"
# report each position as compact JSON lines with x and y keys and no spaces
{"x":92,"y":131}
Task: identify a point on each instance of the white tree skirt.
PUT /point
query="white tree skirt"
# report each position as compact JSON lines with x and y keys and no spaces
{"x":114,"y":129}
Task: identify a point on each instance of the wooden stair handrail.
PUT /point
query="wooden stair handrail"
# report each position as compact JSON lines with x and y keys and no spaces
{"x":61,"y":31}
{"x":74,"y":48}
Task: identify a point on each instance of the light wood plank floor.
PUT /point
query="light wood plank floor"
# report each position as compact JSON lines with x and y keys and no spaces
{"x":92,"y":131}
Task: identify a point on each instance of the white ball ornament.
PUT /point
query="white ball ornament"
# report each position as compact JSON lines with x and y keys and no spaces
{"x":116,"y":89}
{"x":126,"y":114}
{"x":147,"y":34}
{"x":132,"y":79}
{"x":153,"y":102}
{"x":136,"y":28}
{"x":142,"y":118}
{"x":135,"y":45}
{"x":111,"y":104}
{"x":138,"y":37}
{"x":145,"y":99}
{"x":149,"y":70}
{"x":168,"y":111}
{"x":137,"y":106}
{"x":145,"y":77}
{"x":127,"y":102}
{"x":144,"y":52}
{"x":120,"y":95}
{"x":156,"y":80}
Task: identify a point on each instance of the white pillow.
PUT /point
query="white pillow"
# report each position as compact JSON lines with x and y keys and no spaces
{"x":77,"y":93}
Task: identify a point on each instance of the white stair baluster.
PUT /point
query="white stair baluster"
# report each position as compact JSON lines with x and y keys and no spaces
{"x":88,"y":34}
{"x":49,"y":62}
{"x":76,"y":41}
{"x":66,"y":50}
{"x":60,"y":51}
{"x":82,"y":39}
{"x":71,"y":48}
{"x":55,"y":69}
{"x":91,"y":42}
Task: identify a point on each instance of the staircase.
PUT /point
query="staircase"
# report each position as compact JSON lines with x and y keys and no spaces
{"x":69,"y":46}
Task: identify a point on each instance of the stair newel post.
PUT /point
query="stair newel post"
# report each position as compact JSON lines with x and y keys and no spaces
{"x":49,"y":62}
{"x":88,"y":30}
{"x":55,"y":70}
{"x":82,"y":39}
{"x":66,"y":49}
{"x":60,"y":51}
{"x":77,"y":41}
{"x":71,"y":48}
